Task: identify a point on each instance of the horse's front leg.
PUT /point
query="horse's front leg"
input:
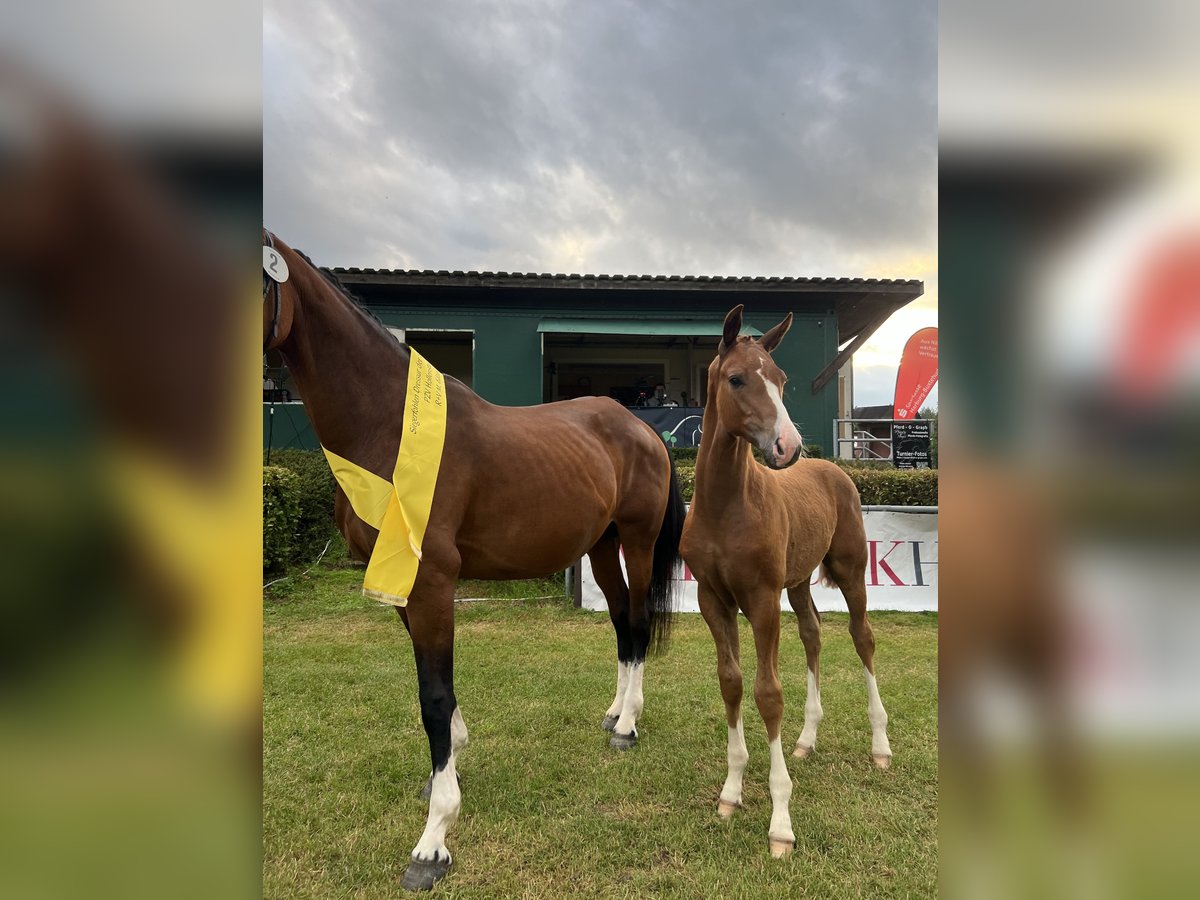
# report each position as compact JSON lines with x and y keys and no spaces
{"x":430,"y":619}
{"x":458,"y":727}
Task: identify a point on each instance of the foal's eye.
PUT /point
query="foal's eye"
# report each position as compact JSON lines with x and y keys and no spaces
{"x":736,"y":380}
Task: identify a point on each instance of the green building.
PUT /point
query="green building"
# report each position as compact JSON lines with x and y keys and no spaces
{"x":522,"y":339}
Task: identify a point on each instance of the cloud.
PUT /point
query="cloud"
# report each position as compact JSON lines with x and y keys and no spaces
{"x":687,"y":137}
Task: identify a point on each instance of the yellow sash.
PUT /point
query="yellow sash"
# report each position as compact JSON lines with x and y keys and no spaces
{"x":400,"y":510}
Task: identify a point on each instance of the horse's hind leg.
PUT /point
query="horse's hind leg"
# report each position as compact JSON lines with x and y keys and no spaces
{"x":848,"y":572}
{"x":639,"y":561}
{"x":800,"y":597}
{"x":606,"y":568}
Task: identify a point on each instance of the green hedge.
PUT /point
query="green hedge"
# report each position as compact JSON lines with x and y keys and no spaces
{"x":315,"y":487}
{"x":298,"y":491}
{"x":876,"y":486}
{"x":281,"y":516}
{"x":895,"y":487}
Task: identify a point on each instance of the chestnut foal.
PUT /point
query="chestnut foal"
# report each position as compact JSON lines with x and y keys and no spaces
{"x":750,"y":534}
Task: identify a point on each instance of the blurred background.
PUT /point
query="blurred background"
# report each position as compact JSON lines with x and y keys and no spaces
{"x":1070,"y":277}
{"x":130,"y":529}
{"x":129,"y":470}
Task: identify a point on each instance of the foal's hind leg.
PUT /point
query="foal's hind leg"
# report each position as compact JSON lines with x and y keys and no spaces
{"x":800,"y":597}
{"x":606,"y":568}
{"x":850,"y":576}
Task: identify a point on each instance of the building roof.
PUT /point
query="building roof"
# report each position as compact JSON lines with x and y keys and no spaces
{"x":859,"y":303}
{"x":872,"y":412}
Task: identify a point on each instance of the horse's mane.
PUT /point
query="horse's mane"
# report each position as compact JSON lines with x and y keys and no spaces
{"x":345,"y":292}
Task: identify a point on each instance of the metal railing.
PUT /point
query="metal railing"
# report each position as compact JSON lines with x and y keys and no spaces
{"x":860,"y":440}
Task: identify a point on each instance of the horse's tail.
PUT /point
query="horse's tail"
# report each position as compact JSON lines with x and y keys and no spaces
{"x":823,"y":577}
{"x":661,"y":602}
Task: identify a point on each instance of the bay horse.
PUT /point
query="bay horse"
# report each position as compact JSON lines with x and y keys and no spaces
{"x":521,"y":493}
{"x":754,"y":531}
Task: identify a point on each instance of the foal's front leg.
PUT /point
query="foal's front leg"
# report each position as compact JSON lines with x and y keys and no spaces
{"x":768,"y":694}
{"x":721,"y":616}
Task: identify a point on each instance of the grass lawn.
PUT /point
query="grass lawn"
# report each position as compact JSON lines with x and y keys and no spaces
{"x":548,"y":809}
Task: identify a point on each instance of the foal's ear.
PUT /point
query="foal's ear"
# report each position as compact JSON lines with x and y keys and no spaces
{"x":733,"y":327}
{"x":771,"y":339}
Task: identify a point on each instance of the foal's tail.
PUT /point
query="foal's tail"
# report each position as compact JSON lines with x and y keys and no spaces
{"x":661,"y":602}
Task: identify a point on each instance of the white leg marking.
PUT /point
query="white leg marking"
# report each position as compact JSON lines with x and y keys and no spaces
{"x":458,"y":732}
{"x":632,"y":708}
{"x":781,"y":795}
{"x":731,"y":793}
{"x":813,"y":713}
{"x":444,"y":804}
{"x":622,"y":683}
{"x":878,"y":718}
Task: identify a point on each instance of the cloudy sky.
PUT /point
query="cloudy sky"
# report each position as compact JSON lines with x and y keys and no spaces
{"x":687,"y":137}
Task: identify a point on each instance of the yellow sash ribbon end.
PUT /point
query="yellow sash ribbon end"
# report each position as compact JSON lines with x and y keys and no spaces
{"x":384,"y":597}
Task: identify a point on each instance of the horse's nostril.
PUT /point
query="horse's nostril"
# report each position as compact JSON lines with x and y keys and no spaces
{"x":779,"y":446}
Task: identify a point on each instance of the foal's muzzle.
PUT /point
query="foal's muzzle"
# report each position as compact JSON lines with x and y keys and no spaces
{"x":784,"y":450}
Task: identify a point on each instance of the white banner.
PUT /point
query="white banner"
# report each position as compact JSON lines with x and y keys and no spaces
{"x":902,"y":564}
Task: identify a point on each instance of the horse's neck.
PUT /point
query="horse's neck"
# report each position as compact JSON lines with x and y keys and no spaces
{"x":352,"y":374}
{"x":724,"y":467}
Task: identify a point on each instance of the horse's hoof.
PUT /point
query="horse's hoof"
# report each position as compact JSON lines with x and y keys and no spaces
{"x":609,"y":723}
{"x":622,"y":741}
{"x":780,"y":849}
{"x":882,"y":760}
{"x":725,"y":809}
{"x":802,"y":752}
{"x":422,"y":874}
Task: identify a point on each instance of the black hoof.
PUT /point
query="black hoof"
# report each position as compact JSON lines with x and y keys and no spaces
{"x":609,"y":723}
{"x":622,"y":741}
{"x":422,"y":875}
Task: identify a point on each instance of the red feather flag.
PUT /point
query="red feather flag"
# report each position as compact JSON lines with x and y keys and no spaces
{"x":918,"y":373}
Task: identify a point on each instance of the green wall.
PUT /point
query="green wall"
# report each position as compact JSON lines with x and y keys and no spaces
{"x":508,"y":361}
{"x":287,"y":425}
{"x":508,"y":350}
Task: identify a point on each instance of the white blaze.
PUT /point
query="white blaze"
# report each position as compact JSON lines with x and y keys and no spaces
{"x":783,"y":422}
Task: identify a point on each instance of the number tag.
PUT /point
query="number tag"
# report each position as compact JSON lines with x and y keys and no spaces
{"x":274,"y":265}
